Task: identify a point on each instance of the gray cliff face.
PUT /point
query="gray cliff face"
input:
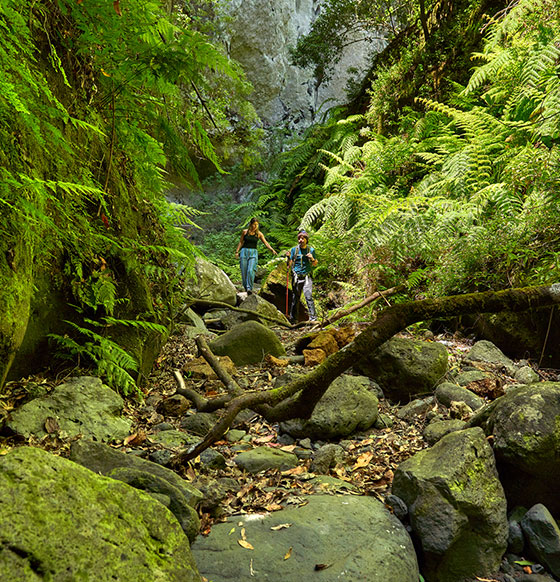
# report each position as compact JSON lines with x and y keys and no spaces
{"x":259,"y":37}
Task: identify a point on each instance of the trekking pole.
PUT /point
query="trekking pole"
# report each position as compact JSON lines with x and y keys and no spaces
{"x":287,"y":282}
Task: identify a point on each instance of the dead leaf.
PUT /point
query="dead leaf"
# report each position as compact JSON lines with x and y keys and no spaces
{"x":273,"y":507}
{"x":135,"y":439}
{"x":245,"y":544}
{"x":322,"y":566}
{"x":288,"y":554}
{"x":281,"y":526}
{"x":51,"y":425}
{"x":243,"y":534}
{"x":117,"y":7}
{"x":363,"y":460}
{"x":299,"y":470}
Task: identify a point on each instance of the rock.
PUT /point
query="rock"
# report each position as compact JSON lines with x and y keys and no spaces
{"x":354,"y":537}
{"x":516,"y":541}
{"x":248,"y":343}
{"x":214,"y":491}
{"x":486,"y":352}
{"x":314,"y":357}
{"x":383,"y":421}
{"x":199,"y":369}
{"x":175,"y":405}
{"x":457,"y":506}
{"x":161,"y":488}
{"x":446,"y":393}
{"x":82,"y":406}
{"x":62,"y":522}
{"x":439,"y":428}
{"x":398,"y":506}
{"x":195,"y":324}
{"x":213,"y":459}
{"x":103,"y":459}
{"x":415,"y":408}
{"x":327,"y":457}
{"x":468,"y":376}
{"x":210,"y":284}
{"x":543,"y":537}
{"x":264,"y":458}
{"x":326,"y":483}
{"x":405,"y":367}
{"x":526,"y":442}
{"x":173,"y":438}
{"x":261,"y":307}
{"x":526,"y":375}
{"x":200,"y":423}
{"x":234,"y":434}
{"x":347,"y":406}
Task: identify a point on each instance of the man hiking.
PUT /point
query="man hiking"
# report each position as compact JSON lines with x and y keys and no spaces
{"x":301,"y":259}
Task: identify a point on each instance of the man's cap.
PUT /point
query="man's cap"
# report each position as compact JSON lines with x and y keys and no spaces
{"x":303,"y":233}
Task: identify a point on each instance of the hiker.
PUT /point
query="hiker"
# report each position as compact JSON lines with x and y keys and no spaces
{"x":249,"y":256}
{"x":301,"y":259}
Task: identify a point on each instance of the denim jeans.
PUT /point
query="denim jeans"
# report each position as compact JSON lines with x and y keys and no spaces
{"x":248,"y":261}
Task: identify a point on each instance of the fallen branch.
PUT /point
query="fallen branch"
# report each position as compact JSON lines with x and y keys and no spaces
{"x":298,"y":398}
{"x":208,"y":303}
{"x":344,"y":312}
{"x":231,"y":385}
{"x":201,"y":404}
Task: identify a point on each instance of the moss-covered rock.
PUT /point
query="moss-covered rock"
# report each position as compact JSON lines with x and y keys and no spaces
{"x":60,"y":521}
{"x":457,"y":506}
{"x":405,"y":367}
{"x":81,"y":406}
{"x":248,"y":343}
{"x":354,"y":536}
{"x":348,"y":405}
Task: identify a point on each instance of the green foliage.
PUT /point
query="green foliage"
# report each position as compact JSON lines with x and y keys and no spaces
{"x":465,"y":196}
{"x":96,"y":105}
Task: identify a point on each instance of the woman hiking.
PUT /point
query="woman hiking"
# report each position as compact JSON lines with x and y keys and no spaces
{"x":248,"y":255}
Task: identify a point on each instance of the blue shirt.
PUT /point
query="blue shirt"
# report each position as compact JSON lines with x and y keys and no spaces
{"x":301,"y":264}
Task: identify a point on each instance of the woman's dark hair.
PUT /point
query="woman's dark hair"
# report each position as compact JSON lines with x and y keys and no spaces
{"x":252,"y":221}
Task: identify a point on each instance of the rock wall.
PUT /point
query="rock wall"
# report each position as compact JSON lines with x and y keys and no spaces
{"x":261,"y":33}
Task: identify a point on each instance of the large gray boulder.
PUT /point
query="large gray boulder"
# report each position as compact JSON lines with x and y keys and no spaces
{"x":258,"y":305}
{"x":405,"y":367}
{"x":543,"y":537}
{"x":331,"y":538}
{"x":81,"y":406}
{"x":487,"y":353}
{"x":349,"y":405}
{"x":457,"y":506}
{"x":62,"y":522}
{"x":248,"y":343}
{"x":173,"y":491}
{"x":211,"y":284}
{"x":526,"y":440}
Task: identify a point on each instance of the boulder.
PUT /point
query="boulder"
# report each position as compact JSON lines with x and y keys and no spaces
{"x":81,"y":406}
{"x":348,"y":405}
{"x":103,"y":459}
{"x":446,"y":393}
{"x":543,"y":537}
{"x":163,"y":491}
{"x":439,"y":428}
{"x":526,"y":440}
{"x":63,"y":522}
{"x":260,"y":306}
{"x":247,"y":343}
{"x":405,"y":367}
{"x":210,"y":284}
{"x":330,"y":538}
{"x":264,"y":458}
{"x":457,"y":506}
{"x":486,"y":352}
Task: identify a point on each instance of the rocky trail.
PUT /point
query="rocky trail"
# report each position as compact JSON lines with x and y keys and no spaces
{"x":360,"y":465}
